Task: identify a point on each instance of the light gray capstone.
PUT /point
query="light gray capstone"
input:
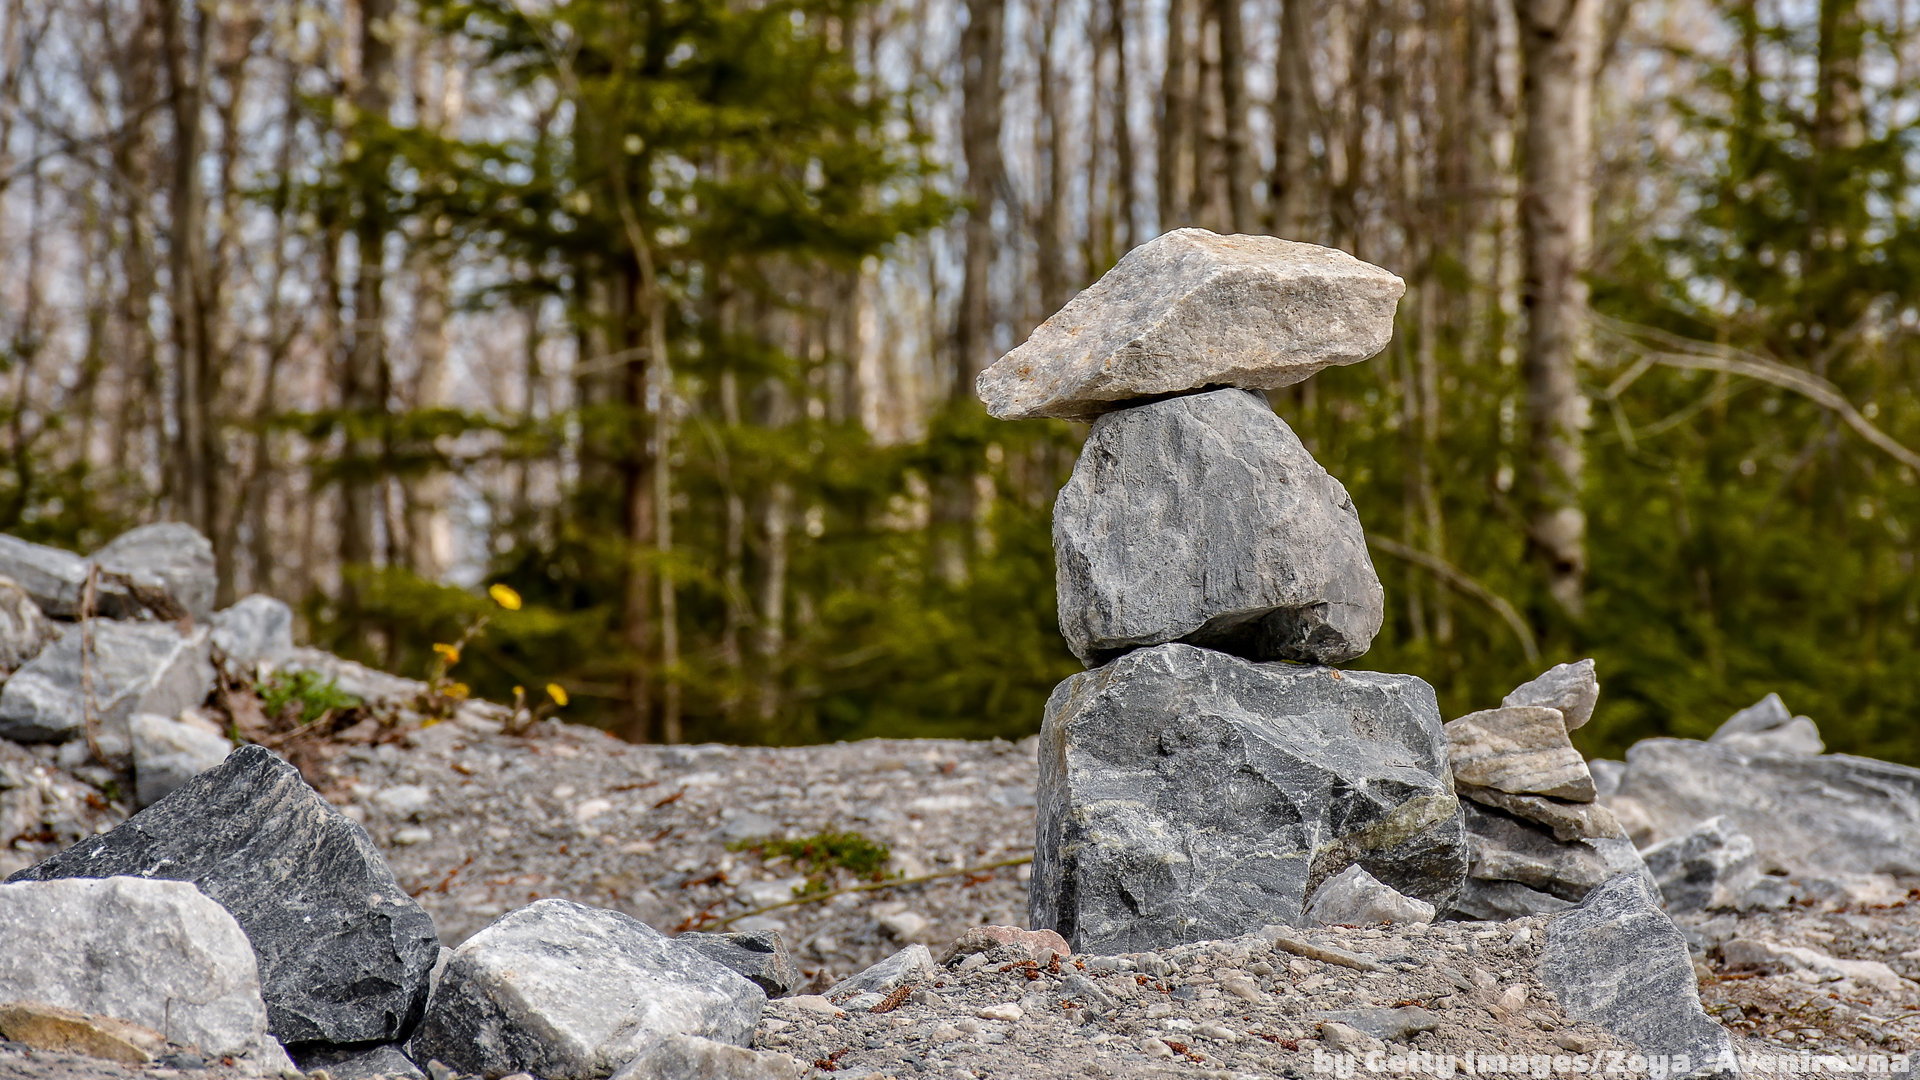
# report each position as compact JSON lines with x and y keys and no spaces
{"x":257,"y":628}
{"x":1188,"y":795}
{"x":1518,"y":749}
{"x":52,"y":577}
{"x":155,"y":953}
{"x":134,"y":668}
{"x":168,"y":752}
{"x":1766,"y":727}
{"x":24,"y":629}
{"x":571,"y":992}
{"x":1573,"y":689}
{"x":1203,"y":519}
{"x":1507,"y":849}
{"x":689,"y":1057}
{"x":1711,"y":866}
{"x":911,"y":964}
{"x":1617,"y":961}
{"x":1354,"y":897}
{"x":1191,"y":309}
{"x":170,"y":556}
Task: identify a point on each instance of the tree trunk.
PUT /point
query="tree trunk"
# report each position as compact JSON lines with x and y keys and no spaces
{"x":196,"y":473}
{"x":1233,"y":96}
{"x":1129,"y":212}
{"x":1559,"y":41}
{"x":1287,"y":190}
{"x":982,"y":45}
{"x":1176,"y":136}
{"x":1052,"y":245}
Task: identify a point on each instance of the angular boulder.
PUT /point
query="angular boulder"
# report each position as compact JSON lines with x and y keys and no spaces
{"x":255,"y":629}
{"x":167,"y":753}
{"x":51,"y":577}
{"x":760,"y":955}
{"x":1506,"y":849}
{"x":1354,"y":897}
{"x":1711,"y":866}
{"x":978,"y":939}
{"x":1498,"y":901}
{"x":1568,"y":820}
{"x":1573,"y":689}
{"x":154,"y":953}
{"x":170,"y":558}
{"x":1191,"y":309}
{"x":24,"y":630}
{"x":911,"y":964}
{"x":1521,"y":750}
{"x":1768,"y":728}
{"x":570,"y":992}
{"x":146,"y":667}
{"x":344,"y":953}
{"x":1188,"y":795}
{"x":689,"y":1057}
{"x":1617,"y":961}
{"x":1203,"y":519}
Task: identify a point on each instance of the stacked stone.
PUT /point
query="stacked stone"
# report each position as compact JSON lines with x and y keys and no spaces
{"x":1539,"y":842}
{"x":1209,"y":774}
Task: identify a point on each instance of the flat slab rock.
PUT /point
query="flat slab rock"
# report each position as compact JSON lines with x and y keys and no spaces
{"x":1519,"y":868}
{"x":1519,"y":749}
{"x":570,"y":992}
{"x":1186,"y":795}
{"x":1203,"y":519}
{"x":1192,"y":309}
{"x":344,"y":953}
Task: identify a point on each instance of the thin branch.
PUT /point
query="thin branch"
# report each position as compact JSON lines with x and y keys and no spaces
{"x":1458,"y":578}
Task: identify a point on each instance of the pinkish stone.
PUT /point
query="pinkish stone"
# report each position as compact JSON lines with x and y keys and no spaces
{"x":983,"y":938}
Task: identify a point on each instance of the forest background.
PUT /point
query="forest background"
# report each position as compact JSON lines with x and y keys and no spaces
{"x":665,"y":313}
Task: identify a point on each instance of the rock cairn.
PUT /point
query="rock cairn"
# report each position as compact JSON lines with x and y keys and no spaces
{"x":1208,"y":775}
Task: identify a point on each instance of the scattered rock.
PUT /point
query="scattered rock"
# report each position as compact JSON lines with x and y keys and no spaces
{"x":1038,"y":943}
{"x":255,"y":629}
{"x":1616,"y":960}
{"x":1712,"y":866}
{"x":134,"y":667}
{"x":1606,"y":776}
{"x":1348,"y":1039}
{"x":51,"y":577}
{"x":1006,"y":1010}
{"x":357,"y":1063}
{"x":1766,"y":727}
{"x":24,"y":630}
{"x":689,"y":1057}
{"x":1506,"y":849}
{"x":1188,"y":795}
{"x":1498,"y":901}
{"x":1522,"y":750}
{"x":1203,"y":519}
{"x":49,"y":1027}
{"x":1391,"y":1025}
{"x":344,"y":952}
{"x":168,"y":557}
{"x":760,"y":955}
{"x":1568,"y":820}
{"x":167,"y":753}
{"x":1354,"y":897}
{"x":911,"y":964}
{"x":1192,"y":309}
{"x":1573,"y":689}
{"x":1747,"y":954}
{"x":154,"y":953}
{"x":570,"y":992}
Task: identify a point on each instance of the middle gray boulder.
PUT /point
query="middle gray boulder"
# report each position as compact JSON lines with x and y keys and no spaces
{"x":1188,"y":795}
{"x":1203,"y":519}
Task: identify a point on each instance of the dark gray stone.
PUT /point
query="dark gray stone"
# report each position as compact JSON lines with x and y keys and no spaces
{"x":1192,"y":309}
{"x":570,"y":992}
{"x":344,"y":953}
{"x":147,"y":667}
{"x":1498,"y":901}
{"x":1203,"y":519}
{"x":760,"y":955}
{"x":1617,"y":961}
{"x":170,"y":557}
{"x":1712,"y":866}
{"x":355,"y":1063}
{"x":1505,"y":848}
{"x":1187,"y":795}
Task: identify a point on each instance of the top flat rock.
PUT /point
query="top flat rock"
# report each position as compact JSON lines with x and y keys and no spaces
{"x":1191,"y":310}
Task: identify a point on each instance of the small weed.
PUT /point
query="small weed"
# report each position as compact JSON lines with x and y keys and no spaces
{"x":315,"y":696}
{"x":819,"y":856}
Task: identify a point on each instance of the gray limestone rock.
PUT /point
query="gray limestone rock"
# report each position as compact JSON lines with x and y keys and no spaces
{"x":1568,"y":820}
{"x":760,"y":955}
{"x":911,"y":964}
{"x":358,"y":1063}
{"x":1767,"y":728}
{"x":170,"y":557}
{"x":1827,"y":814}
{"x":52,"y":577}
{"x":1203,"y":519}
{"x":1190,"y":310}
{"x":1188,"y":795}
{"x":1712,"y":866}
{"x":1522,"y":750}
{"x":1618,"y":962}
{"x":255,"y":629}
{"x":1504,"y":848}
{"x":1392,"y":1025}
{"x":24,"y":630}
{"x":344,"y":952}
{"x":1606,"y":776}
{"x":1571,"y":688}
{"x":1354,"y":897}
{"x":155,"y":953}
{"x":1498,"y":901}
{"x":168,"y":752}
{"x":1761,"y":716}
{"x":689,"y":1057}
{"x":570,"y":992}
{"x":146,"y":667}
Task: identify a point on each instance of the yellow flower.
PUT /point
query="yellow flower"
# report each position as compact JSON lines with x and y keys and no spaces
{"x":451,"y":652}
{"x":505,"y":597}
{"x":459,"y":691}
{"x":558,"y":693}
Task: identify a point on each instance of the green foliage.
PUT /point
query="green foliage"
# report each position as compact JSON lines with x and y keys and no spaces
{"x":316,"y":696}
{"x":820,"y":855}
